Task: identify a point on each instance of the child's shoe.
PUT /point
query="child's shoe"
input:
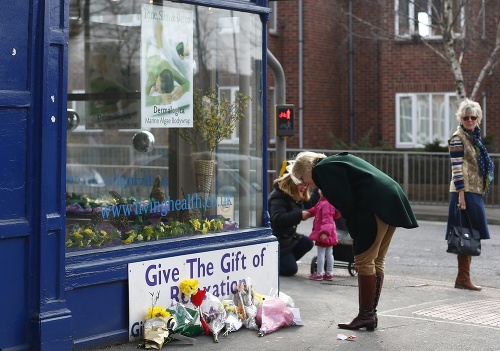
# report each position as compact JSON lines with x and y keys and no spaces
{"x":316,"y":276}
{"x":328,"y":277}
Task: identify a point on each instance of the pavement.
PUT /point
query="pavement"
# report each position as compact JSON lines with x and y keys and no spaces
{"x":414,"y":314}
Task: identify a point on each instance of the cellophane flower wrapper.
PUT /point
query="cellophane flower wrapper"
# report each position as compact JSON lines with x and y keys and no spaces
{"x":214,"y":314}
{"x":155,"y":333}
{"x":273,"y":315}
{"x":286,"y":299}
{"x":233,"y":320}
{"x":188,"y":320}
{"x":243,"y":299}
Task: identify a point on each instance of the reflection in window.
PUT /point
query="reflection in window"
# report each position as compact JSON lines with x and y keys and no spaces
{"x":128,"y":184}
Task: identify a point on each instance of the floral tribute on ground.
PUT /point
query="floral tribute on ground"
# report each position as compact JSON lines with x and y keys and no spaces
{"x":205,"y":314}
{"x":156,"y":325}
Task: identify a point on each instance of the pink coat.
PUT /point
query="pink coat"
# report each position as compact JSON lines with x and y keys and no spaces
{"x":324,"y":223}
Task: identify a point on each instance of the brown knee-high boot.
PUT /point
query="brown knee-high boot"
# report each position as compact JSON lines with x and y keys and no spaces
{"x":463,"y":276}
{"x":367,"y":285}
{"x":378,"y":290}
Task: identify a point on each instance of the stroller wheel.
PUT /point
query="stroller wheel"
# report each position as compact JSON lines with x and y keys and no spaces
{"x":352,"y":270}
{"x":314,"y":264}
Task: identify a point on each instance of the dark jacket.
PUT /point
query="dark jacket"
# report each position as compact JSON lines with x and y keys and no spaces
{"x":285,"y":215}
{"x":360,"y":191}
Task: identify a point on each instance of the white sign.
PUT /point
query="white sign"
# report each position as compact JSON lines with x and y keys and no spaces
{"x":226,"y":209}
{"x":219,"y":271}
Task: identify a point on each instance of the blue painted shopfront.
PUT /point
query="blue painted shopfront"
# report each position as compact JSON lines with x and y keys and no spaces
{"x":62,"y":292}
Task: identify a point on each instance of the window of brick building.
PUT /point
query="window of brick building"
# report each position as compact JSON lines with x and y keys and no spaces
{"x":424,"y":18}
{"x":422,"y":118}
{"x":273,"y":17}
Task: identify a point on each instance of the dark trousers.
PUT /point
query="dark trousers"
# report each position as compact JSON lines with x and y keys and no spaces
{"x":288,"y":261}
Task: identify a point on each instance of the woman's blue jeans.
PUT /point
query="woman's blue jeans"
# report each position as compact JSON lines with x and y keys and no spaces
{"x":288,"y":262}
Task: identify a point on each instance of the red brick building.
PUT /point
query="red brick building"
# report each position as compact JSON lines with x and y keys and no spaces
{"x":378,"y":84}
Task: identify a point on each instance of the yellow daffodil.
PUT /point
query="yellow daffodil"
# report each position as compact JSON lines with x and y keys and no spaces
{"x":157,"y":311}
{"x":88,"y":233}
{"x":216,"y":224}
{"x":189,"y":286}
{"x":128,"y":240}
{"x":195,"y":223}
{"x":78,"y":236}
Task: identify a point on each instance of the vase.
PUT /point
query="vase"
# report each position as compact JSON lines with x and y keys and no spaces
{"x":204,"y":170}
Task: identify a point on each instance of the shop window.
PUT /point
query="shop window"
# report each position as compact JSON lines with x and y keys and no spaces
{"x":424,"y":118}
{"x":142,"y":78}
{"x":424,"y":18}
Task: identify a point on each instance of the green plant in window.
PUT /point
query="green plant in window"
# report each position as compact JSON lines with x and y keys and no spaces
{"x":147,"y":233}
{"x":88,"y":236}
{"x":102,"y":234}
{"x":130,"y":236}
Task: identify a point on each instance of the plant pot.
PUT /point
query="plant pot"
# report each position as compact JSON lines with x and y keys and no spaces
{"x":204,"y":170}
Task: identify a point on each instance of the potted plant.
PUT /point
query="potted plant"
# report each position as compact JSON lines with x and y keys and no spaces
{"x":215,"y":118}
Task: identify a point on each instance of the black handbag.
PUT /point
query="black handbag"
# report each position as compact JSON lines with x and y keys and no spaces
{"x":464,"y":240}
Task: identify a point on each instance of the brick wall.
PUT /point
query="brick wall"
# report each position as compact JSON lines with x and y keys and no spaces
{"x":382,"y":68}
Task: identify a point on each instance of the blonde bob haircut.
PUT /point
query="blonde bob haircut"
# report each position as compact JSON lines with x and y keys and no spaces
{"x":468,"y":108}
{"x":304,"y":162}
{"x":288,"y":186}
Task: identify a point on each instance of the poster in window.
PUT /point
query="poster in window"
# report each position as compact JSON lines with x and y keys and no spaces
{"x":166,"y":67}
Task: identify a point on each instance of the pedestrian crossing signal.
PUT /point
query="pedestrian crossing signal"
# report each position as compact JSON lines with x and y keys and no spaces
{"x":284,"y":117}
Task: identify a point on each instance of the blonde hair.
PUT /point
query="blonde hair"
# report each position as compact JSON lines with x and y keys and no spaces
{"x":288,"y":186}
{"x":469,"y":107}
{"x":304,"y":163}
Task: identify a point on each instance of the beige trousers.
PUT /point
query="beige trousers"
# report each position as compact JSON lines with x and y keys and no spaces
{"x":372,"y":261}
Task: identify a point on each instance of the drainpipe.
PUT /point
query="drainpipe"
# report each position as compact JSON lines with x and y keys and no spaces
{"x":280,"y":95}
{"x":301,"y":75}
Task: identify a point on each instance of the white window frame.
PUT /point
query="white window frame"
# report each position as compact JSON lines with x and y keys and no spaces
{"x":450,"y":121}
{"x":273,"y":17}
{"x":412,"y":24}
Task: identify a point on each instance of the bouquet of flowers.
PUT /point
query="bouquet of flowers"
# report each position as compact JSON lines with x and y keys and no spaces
{"x":156,"y":329}
{"x":272,"y":315}
{"x":244,"y":300}
{"x":188,"y":320}
{"x":214,"y":314}
{"x":189,"y":288}
{"x":233,"y":320}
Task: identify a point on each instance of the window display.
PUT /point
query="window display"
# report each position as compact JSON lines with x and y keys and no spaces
{"x":163,"y":109}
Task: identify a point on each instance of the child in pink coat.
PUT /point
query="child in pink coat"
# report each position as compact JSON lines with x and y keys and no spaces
{"x":324,"y":233}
